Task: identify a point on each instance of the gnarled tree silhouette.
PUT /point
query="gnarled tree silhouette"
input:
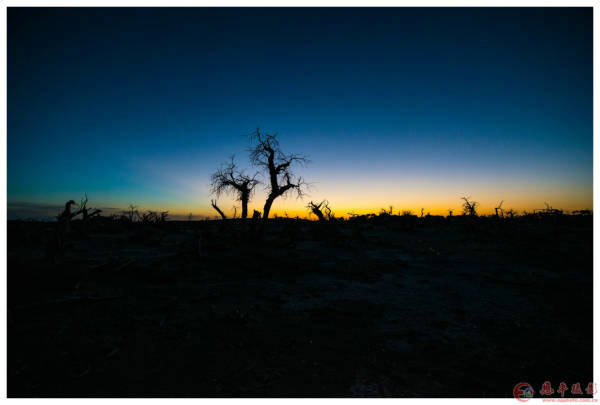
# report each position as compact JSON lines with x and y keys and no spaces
{"x":87,"y":213}
{"x":321,"y":210}
{"x":316,"y":209}
{"x":469,"y":207}
{"x":268,"y":155}
{"x":228,"y":179}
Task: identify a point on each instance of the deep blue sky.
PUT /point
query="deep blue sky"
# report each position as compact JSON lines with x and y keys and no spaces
{"x":406,"y":106}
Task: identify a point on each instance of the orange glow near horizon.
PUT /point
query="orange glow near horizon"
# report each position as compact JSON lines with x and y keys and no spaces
{"x":292,"y":207}
{"x":181,"y":191}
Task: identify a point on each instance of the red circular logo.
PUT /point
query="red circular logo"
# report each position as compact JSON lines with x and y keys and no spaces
{"x":523,"y":392}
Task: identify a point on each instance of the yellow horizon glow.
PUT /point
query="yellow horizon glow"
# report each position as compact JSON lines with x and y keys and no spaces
{"x":345,"y":211}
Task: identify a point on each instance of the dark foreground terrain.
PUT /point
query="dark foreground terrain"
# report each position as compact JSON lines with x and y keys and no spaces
{"x":380,"y":306}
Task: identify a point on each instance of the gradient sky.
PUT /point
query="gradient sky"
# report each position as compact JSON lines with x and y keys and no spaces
{"x":410,"y":107}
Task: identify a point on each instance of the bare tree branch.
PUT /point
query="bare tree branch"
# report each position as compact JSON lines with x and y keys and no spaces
{"x":214,"y":205}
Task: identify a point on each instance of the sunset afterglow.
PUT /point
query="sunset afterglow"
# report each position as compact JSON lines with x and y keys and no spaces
{"x":488,"y":109}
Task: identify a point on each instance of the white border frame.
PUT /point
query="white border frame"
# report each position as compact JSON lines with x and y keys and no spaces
{"x":273,"y":3}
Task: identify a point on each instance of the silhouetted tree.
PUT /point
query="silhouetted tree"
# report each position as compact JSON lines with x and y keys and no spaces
{"x":328,"y":213}
{"x":56,"y":244}
{"x":214,"y":205}
{"x":83,"y":207}
{"x":228,"y":179}
{"x":87,"y":213}
{"x":67,"y":214}
{"x":316,"y":209}
{"x":64,"y":219}
{"x":268,"y":155}
{"x":469,"y":207}
{"x":499,"y":211}
{"x":321,"y":210}
{"x":133,"y":213}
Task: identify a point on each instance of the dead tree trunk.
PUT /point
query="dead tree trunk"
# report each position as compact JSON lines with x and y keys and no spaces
{"x":268,"y":204}
{"x":214,"y":205}
{"x":316,"y":209}
{"x":244,"y":197}
{"x":499,"y":211}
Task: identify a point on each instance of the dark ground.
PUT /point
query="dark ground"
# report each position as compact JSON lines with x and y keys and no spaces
{"x":401,"y":307}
